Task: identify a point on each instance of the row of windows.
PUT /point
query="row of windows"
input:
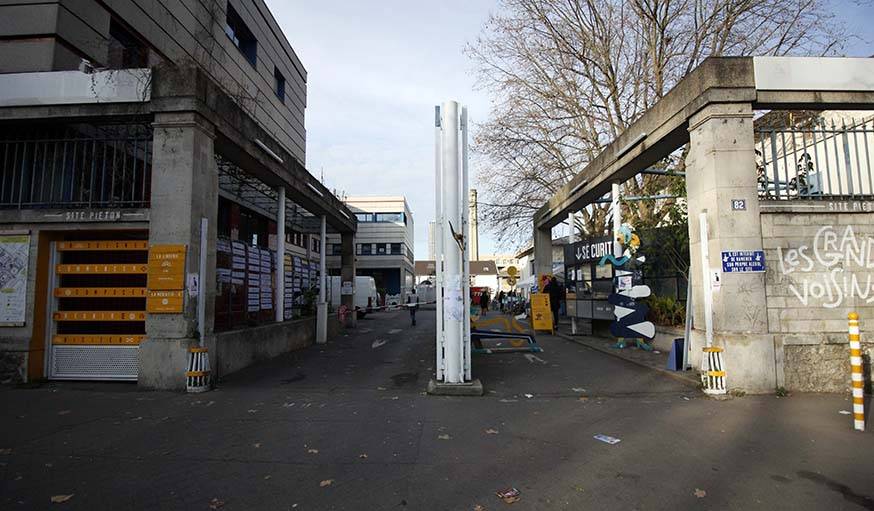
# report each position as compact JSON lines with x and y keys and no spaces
{"x":245,"y":41}
{"x":301,"y":240}
{"x":398,"y":218}
{"x":370,"y":249}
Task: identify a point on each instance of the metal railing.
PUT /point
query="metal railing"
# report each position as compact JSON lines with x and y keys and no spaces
{"x":817,"y":162}
{"x":75,"y":166}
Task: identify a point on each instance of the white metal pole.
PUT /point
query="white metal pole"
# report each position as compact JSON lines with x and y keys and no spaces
{"x":465,"y":256}
{"x":279,"y":302}
{"x":617,"y":219}
{"x":322,"y":306}
{"x":438,"y":239}
{"x":571,"y":239}
{"x":705,"y":274}
{"x":201,"y":276}
{"x":454,"y":369}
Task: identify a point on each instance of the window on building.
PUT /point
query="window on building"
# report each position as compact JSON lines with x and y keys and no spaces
{"x":241,"y":36}
{"x":126,"y":51}
{"x":396,"y":249}
{"x":280,"y":84}
{"x":365,"y":249}
{"x":364,"y":217}
{"x":390,"y":217}
{"x":316,"y":244}
{"x":381,"y":248}
{"x":335,"y":249}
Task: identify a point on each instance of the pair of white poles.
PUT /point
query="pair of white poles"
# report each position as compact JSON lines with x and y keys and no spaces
{"x":452,"y":264}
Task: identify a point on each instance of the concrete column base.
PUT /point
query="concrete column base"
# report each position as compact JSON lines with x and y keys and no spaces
{"x":321,"y":323}
{"x":749,"y":360}
{"x":472,"y":388}
{"x":163,"y":362}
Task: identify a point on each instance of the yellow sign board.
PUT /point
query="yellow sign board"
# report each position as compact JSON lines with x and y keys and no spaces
{"x":541,"y":314}
{"x":166,"y":267}
{"x":165,"y":302}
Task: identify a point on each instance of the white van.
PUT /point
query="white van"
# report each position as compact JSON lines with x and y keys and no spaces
{"x":366,"y":297}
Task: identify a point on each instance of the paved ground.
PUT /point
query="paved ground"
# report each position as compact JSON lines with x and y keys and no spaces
{"x":274,"y":436}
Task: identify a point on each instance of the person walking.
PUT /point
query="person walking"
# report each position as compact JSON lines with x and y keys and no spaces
{"x":555,"y":297}
{"x":484,"y":301}
{"x":413,"y":305}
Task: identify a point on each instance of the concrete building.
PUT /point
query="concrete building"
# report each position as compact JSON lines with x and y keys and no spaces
{"x":482,"y":274}
{"x":153,"y":192}
{"x":773,"y":276}
{"x":383,"y":244}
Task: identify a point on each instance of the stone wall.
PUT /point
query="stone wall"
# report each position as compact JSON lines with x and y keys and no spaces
{"x":820,"y":267}
{"x":236,"y":349}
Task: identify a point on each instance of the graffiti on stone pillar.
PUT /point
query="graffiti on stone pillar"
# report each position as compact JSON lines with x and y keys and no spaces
{"x":834,"y":267}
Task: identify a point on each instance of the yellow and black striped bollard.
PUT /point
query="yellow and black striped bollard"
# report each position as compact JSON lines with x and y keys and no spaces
{"x":856,"y":373}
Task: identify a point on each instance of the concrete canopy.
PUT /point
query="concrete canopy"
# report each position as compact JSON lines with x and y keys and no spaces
{"x":763,"y":82}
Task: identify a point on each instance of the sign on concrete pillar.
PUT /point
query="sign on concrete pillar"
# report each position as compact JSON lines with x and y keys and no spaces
{"x":720,"y":172}
{"x":184,"y":191}
{"x":347,"y":276}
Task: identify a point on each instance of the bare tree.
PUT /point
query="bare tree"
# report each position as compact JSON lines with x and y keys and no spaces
{"x":568,"y":76}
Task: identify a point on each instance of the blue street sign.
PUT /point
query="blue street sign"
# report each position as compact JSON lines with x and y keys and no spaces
{"x":743,"y":261}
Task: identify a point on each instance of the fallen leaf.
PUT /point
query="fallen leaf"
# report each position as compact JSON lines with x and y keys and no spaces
{"x":313,"y":451}
{"x":700,"y":493}
{"x":253,"y":411}
{"x":6,"y":451}
{"x":216,"y":503}
{"x":136,"y":419}
{"x":491,"y":431}
{"x":444,"y":437}
{"x":363,"y":456}
{"x":529,"y":396}
{"x":578,"y":389}
{"x":257,"y":445}
{"x":267,"y":477}
{"x":326,"y":482}
{"x":380,"y":388}
{"x":58,"y":499}
{"x":478,"y":508}
{"x":63,"y":412}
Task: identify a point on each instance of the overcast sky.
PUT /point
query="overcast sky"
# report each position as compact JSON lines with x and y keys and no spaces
{"x":376,"y":70}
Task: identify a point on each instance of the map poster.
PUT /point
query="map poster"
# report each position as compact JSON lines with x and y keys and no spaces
{"x":14,"y":255}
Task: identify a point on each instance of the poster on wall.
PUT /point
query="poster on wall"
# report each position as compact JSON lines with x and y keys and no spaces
{"x":14,"y":255}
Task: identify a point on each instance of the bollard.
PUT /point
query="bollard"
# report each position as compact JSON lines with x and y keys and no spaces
{"x":198,"y":375}
{"x":713,"y":371}
{"x":856,"y":372}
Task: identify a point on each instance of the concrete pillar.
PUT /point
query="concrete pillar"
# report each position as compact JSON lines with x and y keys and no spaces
{"x":184,"y":190}
{"x":542,"y":253}
{"x":721,"y":168}
{"x":347,"y":274}
{"x":322,"y":306}
{"x":279,"y":285}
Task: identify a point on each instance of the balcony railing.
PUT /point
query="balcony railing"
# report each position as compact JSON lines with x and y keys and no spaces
{"x":819,"y":162}
{"x":75,"y":166}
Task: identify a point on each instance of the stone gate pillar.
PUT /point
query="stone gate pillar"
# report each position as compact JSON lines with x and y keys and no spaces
{"x":720,"y":169}
{"x":184,"y":190}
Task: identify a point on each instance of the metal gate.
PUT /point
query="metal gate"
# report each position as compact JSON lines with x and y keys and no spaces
{"x":97,"y":314}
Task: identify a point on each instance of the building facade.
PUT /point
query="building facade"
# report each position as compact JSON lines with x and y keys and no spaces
{"x":383,"y":244}
{"x":154,"y":195}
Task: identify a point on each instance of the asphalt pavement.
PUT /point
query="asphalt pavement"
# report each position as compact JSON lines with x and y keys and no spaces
{"x":347,"y":426}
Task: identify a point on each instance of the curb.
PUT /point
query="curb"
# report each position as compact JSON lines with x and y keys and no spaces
{"x":692,"y":382}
